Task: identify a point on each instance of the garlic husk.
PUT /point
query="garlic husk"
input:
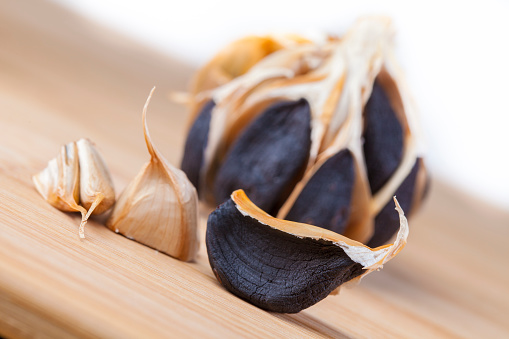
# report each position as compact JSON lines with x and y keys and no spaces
{"x":159,"y":208}
{"x":97,"y":194}
{"x":235,"y":60}
{"x":272,"y":80}
{"x":95,"y":180}
{"x":58,"y":183}
{"x":77,"y":180}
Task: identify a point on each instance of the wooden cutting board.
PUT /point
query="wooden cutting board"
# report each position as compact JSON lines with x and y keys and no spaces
{"x":63,"y":78}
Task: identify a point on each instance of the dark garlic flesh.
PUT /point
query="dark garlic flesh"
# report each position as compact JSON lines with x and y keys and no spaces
{"x":383,"y":139}
{"x":270,"y":156}
{"x":196,"y":143}
{"x":326,"y":199}
{"x":385,"y":219}
{"x":284,"y":266}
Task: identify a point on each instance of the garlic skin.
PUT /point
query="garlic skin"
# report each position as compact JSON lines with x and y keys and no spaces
{"x":159,"y":208}
{"x":235,"y":60}
{"x":97,"y":194}
{"x":95,"y":179}
{"x":58,"y":183}
{"x":77,"y":180}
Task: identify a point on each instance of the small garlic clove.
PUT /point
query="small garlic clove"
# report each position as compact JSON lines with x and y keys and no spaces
{"x":97,"y":194}
{"x":196,"y":144}
{"x":275,"y":145}
{"x":326,"y":198}
{"x":58,"y":183}
{"x":77,"y":180}
{"x":159,"y":207}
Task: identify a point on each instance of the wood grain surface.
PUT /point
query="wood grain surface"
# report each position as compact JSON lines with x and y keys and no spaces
{"x":63,"y":78}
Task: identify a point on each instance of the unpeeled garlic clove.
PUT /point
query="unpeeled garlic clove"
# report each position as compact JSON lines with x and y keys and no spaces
{"x":284,"y":266}
{"x":77,"y":180}
{"x":159,"y":207}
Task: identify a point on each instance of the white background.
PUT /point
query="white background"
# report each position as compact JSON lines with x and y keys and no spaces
{"x":455,"y":54}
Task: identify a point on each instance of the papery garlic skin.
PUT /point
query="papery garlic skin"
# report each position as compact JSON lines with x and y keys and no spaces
{"x":77,"y":180}
{"x":159,"y":208}
{"x":95,"y":179}
{"x":236,"y":59}
{"x":58,"y":183}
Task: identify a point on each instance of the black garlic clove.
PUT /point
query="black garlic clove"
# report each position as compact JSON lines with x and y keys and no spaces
{"x":269,"y":157}
{"x":284,"y":266}
{"x":196,"y":142}
{"x":383,"y":139}
{"x":325,"y":201}
{"x":385,"y":219}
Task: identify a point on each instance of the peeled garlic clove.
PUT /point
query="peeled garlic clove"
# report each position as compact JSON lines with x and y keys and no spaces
{"x":383,"y":139}
{"x":326,"y":199}
{"x":159,"y":207}
{"x":58,"y":183}
{"x":384,"y":227}
{"x":196,"y":143}
{"x":284,"y":266}
{"x":269,"y":157}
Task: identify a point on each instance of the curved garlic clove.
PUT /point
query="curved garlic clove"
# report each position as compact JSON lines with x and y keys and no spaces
{"x":285,"y":266}
{"x":159,"y":207}
{"x":326,"y":198}
{"x":196,"y":143}
{"x":269,"y":157}
{"x":383,"y":139}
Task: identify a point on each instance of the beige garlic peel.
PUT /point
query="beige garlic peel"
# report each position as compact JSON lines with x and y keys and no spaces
{"x":77,"y":180}
{"x":159,"y":208}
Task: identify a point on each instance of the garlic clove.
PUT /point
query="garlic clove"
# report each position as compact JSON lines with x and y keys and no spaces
{"x":159,"y":208}
{"x":276,"y":146}
{"x":326,"y":198}
{"x":58,"y":183}
{"x":285,"y":266}
{"x":77,"y":180}
{"x":196,"y":143}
